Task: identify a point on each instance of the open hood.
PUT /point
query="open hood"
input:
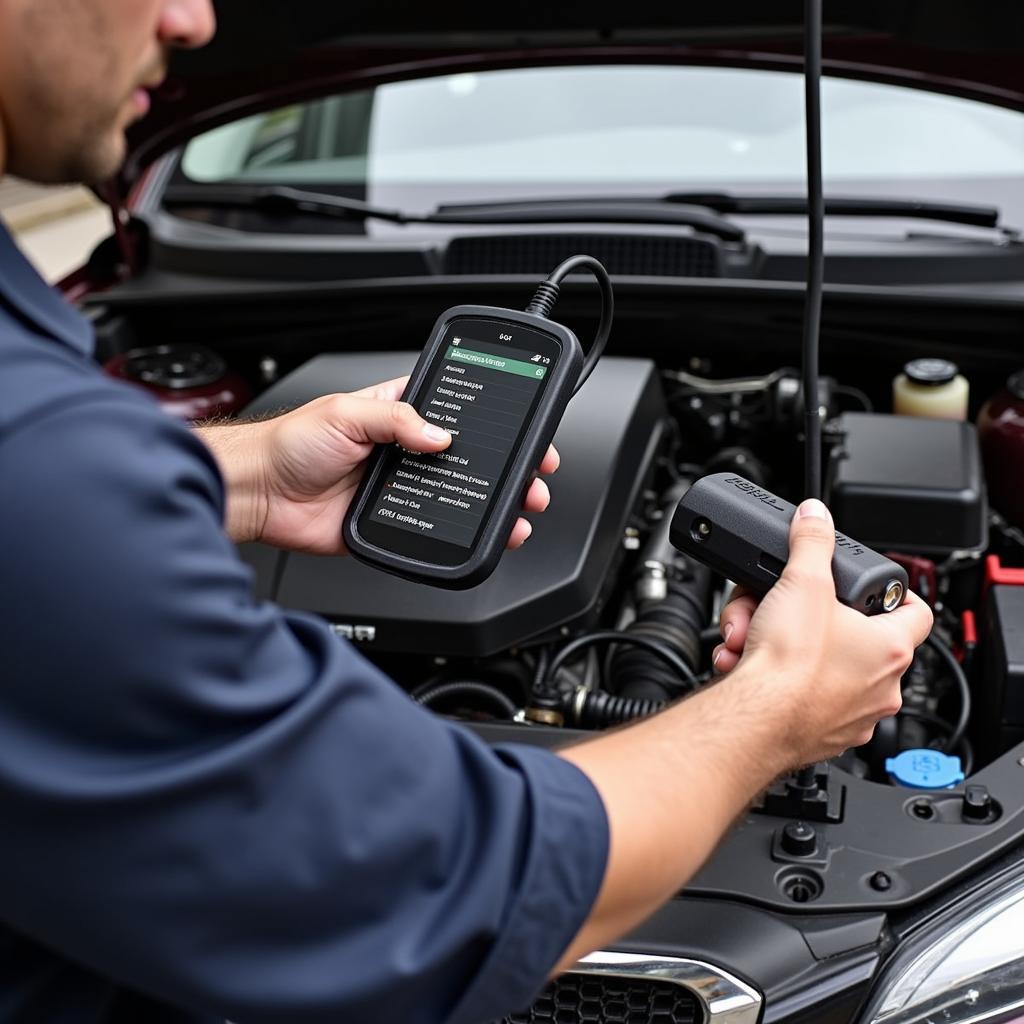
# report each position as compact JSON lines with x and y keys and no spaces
{"x":278,"y":51}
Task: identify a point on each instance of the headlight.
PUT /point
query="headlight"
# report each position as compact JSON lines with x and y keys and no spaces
{"x":965,"y":968}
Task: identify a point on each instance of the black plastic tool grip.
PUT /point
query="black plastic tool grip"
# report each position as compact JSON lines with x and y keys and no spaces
{"x":742,"y":531}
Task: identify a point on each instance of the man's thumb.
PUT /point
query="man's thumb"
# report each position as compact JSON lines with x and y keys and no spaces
{"x":384,"y":421}
{"x":812,"y":540}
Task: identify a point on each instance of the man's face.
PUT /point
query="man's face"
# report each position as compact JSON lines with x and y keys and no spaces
{"x":74,"y":74}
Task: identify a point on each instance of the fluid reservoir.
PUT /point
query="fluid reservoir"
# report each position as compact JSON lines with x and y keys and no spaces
{"x":930,"y":387}
{"x":924,"y":769}
{"x":1001,"y":432}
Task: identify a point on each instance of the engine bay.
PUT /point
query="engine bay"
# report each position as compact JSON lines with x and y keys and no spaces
{"x":601,"y":562}
{"x":600,"y":609}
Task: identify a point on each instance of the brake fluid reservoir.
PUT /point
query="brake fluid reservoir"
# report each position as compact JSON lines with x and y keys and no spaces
{"x":930,"y":387}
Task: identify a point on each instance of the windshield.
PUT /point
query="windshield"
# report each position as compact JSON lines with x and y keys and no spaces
{"x":628,"y":126}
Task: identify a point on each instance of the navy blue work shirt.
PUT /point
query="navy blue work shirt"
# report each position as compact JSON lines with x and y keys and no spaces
{"x":213,"y":808}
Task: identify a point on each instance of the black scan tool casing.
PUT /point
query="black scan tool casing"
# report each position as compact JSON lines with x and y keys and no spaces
{"x":742,"y":531}
{"x":508,"y":492}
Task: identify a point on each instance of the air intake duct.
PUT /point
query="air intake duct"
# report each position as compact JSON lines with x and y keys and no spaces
{"x":671,"y":596}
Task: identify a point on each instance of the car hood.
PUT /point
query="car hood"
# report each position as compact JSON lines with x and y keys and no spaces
{"x":278,"y":51}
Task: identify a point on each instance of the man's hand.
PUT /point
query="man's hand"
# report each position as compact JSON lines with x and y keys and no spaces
{"x":291,"y":479}
{"x":800,"y":625}
{"x":813,"y":679}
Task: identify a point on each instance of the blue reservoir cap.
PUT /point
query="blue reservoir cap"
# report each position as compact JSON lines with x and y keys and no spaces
{"x":924,"y":769}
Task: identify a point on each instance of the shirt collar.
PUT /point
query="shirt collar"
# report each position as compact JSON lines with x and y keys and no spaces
{"x":24,"y":291}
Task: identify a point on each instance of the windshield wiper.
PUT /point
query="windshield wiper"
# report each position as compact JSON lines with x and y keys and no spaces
{"x":842,"y":206}
{"x":602,"y":209}
{"x":728,"y":203}
{"x":702,"y":211}
{"x":278,"y":199}
{"x":767,"y":205}
{"x":612,"y":210}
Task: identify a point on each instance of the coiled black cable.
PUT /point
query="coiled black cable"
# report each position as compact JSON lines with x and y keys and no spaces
{"x":546,"y":295}
{"x":464,"y":688}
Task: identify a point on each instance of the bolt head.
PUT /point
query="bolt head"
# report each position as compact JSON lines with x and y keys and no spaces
{"x":799,"y":839}
{"x":977,"y":803}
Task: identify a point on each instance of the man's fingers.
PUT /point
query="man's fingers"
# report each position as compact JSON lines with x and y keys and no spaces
{"x":392,"y":390}
{"x":520,"y":532}
{"x":551,"y":461}
{"x":382,"y":422}
{"x":538,"y":497}
{"x":812,"y":540}
{"x":735,"y":621}
{"x":723,"y":659}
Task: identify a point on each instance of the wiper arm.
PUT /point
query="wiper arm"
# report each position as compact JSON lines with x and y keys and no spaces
{"x":610,"y":210}
{"x":279,"y":199}
{"x":698,"y":209}
{"x":842,"y":206}
{"x":286,"y":199}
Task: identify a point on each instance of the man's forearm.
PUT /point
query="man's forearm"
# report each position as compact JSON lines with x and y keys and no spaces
{"x":237,"y":450}
{"x":671,"y":787}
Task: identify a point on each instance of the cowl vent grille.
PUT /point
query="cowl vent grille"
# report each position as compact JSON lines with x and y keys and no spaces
{"x":627,"y":254}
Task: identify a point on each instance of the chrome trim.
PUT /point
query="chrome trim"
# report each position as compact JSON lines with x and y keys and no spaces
{"x":725,"y":999}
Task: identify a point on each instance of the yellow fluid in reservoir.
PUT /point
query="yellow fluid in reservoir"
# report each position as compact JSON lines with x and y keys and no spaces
{"x":932,"y":388}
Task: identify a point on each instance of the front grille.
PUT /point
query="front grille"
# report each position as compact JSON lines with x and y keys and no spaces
{"x":646,"y":255}
{"x":583,"y":999}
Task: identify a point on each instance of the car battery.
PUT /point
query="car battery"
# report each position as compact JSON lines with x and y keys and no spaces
{"x":1003,"y":693}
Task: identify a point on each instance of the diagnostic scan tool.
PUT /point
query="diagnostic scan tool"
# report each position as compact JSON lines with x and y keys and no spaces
{"x":498,"y":380}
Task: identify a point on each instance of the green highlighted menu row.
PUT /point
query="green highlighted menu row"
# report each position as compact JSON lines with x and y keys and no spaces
{"x":517,"y":366}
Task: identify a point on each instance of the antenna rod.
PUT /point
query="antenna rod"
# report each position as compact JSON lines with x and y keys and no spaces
{"x":815,"y":248}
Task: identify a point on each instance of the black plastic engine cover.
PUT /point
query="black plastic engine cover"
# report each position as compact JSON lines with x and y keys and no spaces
{"x":607,"y":439}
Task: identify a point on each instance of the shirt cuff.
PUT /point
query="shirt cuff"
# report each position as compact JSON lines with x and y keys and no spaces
{"x":565,"y":861}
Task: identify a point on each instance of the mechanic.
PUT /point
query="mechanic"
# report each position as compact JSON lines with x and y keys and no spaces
{"x":214,"y":808}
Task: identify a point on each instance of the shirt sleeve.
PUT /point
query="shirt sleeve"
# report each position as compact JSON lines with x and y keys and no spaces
{"x":221,"y":803}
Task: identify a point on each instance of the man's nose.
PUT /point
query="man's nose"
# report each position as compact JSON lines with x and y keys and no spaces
{"x":186,"y":23}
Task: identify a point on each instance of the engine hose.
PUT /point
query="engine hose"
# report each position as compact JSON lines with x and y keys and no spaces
{"x":672,"y":596}
{"x":468,"y":688}
{"x":961,"y":684}
{"x":680,"y":670}
{"x":674,"y":622}
{"x":596,"y":709}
